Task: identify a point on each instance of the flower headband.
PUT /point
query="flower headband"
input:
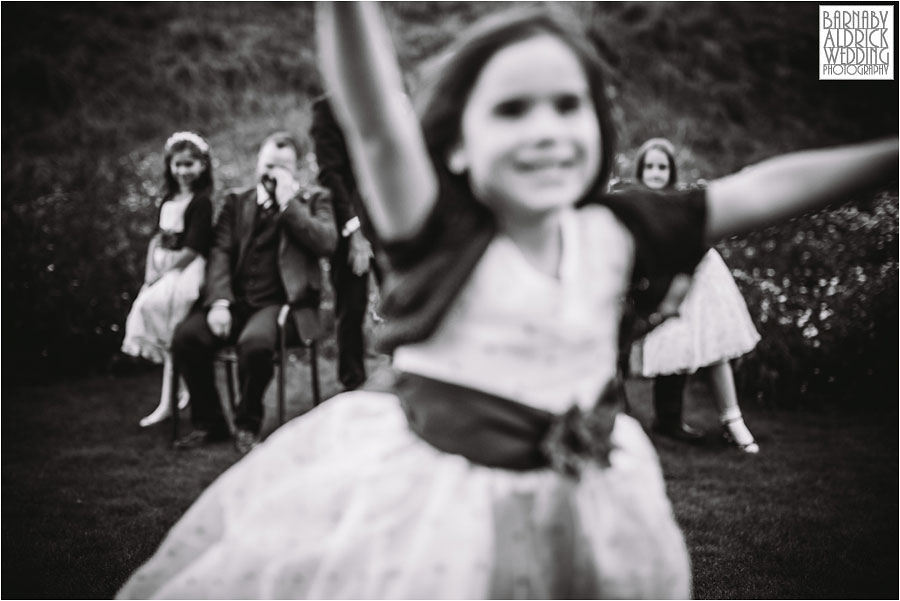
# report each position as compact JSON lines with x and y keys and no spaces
{"x":187,"y":136}
{"x":657,"y":143}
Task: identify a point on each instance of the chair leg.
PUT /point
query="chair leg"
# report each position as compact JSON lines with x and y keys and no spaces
{"x":233,"y":382}
{"x":173,"y":401}
{"x":230,"y":385}
{"x":314,"y":372}
{"x":282,"y":364}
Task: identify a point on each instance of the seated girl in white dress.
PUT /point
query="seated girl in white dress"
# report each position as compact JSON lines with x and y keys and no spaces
{"x":713,"y":327}
{"x":176,"y":260}
{"x":493,"y":460}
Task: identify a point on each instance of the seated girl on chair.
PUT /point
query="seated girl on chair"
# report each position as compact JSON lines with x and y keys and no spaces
{"x":176,"y":260}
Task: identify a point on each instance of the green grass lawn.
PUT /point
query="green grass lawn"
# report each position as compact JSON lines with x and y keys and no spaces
{"x":87,"y":495}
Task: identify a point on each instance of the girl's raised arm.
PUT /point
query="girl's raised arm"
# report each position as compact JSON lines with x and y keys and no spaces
{"x":361,"y":74}
{"x":790,"y":184}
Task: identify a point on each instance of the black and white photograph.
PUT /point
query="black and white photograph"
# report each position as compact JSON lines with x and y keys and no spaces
{"x":450,"y":300}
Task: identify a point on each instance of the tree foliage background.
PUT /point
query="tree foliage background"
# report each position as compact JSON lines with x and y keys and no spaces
{"x":92,"y":90}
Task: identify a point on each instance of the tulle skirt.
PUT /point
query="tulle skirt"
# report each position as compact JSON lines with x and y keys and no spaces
{"x":159,"y":308}
{"x":713,"y":326}
{"x":347,"y":502}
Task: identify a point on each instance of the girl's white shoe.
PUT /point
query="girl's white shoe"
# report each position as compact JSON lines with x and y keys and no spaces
{"x":163,"y":411}
{"x":736,"y":433}
{"x":160,"y":414}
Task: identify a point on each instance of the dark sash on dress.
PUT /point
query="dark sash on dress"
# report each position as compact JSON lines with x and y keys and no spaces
{"x":498,"y":432}
{"x":429,"y":270}
{"x":170,"y":239}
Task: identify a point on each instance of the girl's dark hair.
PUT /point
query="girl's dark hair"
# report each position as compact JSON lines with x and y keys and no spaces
{"x":665,"y":147}
{"x":203,"y":185}
{"x":449,"y":81}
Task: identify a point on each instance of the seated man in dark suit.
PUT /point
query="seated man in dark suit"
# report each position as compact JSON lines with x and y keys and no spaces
{"x":266,"y":249}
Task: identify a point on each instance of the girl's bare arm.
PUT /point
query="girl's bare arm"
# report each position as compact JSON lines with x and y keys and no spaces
{"x":362,"y":76}
{"x":784,"y":186}
{"x":151,"y":274}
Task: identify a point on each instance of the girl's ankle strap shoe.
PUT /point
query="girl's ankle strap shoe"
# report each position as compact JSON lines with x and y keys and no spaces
{"x":728,"y":433}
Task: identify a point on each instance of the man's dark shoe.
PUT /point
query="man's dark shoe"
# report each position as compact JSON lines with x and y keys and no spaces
{"x":679,"y":431}
{"x":199,"y":437}
{"x":245,"y":441}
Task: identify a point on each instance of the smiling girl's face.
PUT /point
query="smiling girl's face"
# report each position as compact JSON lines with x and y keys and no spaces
{"x":186,"y":166}
{"x":530,"y":137}
{"x":656,"y":172}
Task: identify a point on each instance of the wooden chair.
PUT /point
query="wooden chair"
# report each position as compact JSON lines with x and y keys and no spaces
{"x":228,"y":357}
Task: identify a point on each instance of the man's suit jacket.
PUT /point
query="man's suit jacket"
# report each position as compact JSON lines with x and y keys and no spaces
{"x":306,"y":232}
{"x":335,"y":169}
{"x":335,"y":173}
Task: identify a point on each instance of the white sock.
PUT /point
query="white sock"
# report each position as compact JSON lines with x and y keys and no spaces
{"x":184,"y":397}
{"x":730,"y":414}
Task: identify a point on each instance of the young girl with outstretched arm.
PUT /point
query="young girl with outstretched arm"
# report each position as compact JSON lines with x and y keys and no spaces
{"x":493,"y":460}
{"x":176,"y":259}
{"x":713,"y":327}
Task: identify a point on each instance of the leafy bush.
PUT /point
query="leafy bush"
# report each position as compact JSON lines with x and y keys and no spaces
{"x":822,"y":290}
{"x":68,"y":257}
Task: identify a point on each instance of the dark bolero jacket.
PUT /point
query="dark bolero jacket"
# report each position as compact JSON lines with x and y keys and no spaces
{"x":197,"y":231}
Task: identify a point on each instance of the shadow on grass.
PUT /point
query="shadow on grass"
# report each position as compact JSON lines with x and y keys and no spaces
{"x":88,"y":496}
